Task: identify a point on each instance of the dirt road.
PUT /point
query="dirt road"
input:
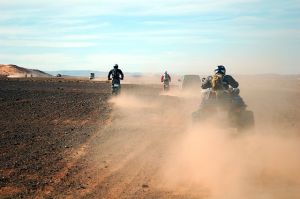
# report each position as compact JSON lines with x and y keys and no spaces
{"x":126,"y":156}
{"x":143,"y":144}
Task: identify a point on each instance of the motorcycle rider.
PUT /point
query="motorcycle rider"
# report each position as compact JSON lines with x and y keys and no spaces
{"x":166,"y":79}
{"x":115,"y":75}
{"x":222,"y":90}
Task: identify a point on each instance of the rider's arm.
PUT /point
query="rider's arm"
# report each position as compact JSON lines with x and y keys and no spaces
{"x":122,"y":75}
{"x":169,"y":78}
{"x":109,"y":74}
{"x":206,"y":83}
{"x":231,"y":81}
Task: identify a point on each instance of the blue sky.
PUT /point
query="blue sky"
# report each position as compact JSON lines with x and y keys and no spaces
{"x":191,"y":36}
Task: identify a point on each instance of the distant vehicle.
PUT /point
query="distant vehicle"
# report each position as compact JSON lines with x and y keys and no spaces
{"x":58,"y":75}
{"x":92,"y":76}
{"x":190,"y":82}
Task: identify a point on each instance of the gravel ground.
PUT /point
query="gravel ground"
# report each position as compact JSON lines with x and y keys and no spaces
{"x":42,"y":122}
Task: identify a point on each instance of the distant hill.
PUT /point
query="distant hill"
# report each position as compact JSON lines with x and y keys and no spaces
{"x":11,"y":70}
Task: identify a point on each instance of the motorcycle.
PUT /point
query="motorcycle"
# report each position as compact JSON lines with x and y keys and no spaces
{"x":166,"y":86}
{"x":227,"y":107}
{"x":116,"y":88}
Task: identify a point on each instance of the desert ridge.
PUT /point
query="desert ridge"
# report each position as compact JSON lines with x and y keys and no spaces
{"x":11,"y":70}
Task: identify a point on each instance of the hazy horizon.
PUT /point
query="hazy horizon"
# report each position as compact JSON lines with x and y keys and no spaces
{"x":85,"y":72}
{"x":104,"y":73}
{"x":248,"y":37}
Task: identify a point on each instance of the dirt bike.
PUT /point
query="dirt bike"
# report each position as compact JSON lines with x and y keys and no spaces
{"x":226,"y":109}
{"x":166,"y":86}
{"x":116,"y":87}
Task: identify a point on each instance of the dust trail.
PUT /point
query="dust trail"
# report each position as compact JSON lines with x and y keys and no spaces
{"x":212,"y":161}
{"x":131,"y":101}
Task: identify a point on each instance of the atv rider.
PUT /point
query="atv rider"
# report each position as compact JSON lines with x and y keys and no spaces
{"x":222,"y":90}
{"x":115,"y":75}
{"x":166,"y":79}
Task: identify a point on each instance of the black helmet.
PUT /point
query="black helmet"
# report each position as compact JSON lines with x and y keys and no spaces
{"x":116,"y":66}
{"x":220,"y":70}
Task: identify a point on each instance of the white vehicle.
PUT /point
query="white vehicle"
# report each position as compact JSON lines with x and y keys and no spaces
{"x":190,"y":82}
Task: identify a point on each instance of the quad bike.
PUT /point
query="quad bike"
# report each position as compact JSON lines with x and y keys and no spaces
{"x":227,"y":108}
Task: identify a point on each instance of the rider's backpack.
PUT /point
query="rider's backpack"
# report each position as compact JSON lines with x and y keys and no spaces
{"x":217,"y":82}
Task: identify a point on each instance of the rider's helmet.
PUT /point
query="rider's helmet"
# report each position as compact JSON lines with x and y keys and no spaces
{"x":220,"y":70}
{"x":166,"y":72}
{"x":116,"y":66}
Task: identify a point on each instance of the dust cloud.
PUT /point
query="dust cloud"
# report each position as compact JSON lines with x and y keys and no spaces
{"x":206,"y":161}
{"x":223,"y":165}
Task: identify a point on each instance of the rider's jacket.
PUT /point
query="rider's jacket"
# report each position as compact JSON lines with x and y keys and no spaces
{"x":227,"y":81}
{"x":115,"y":75}
{"x":166,"y":78}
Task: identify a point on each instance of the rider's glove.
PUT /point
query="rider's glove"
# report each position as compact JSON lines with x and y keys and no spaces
{"x":236,"y":91}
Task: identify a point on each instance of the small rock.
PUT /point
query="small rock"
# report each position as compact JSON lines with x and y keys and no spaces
{"x":82,"y":186}
{"x":145,"y":186}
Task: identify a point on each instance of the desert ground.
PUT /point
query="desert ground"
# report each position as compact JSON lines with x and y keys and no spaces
{"x":69,"y":138}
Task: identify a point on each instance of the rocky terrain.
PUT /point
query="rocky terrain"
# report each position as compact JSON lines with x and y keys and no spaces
{"x":43,"y":124}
